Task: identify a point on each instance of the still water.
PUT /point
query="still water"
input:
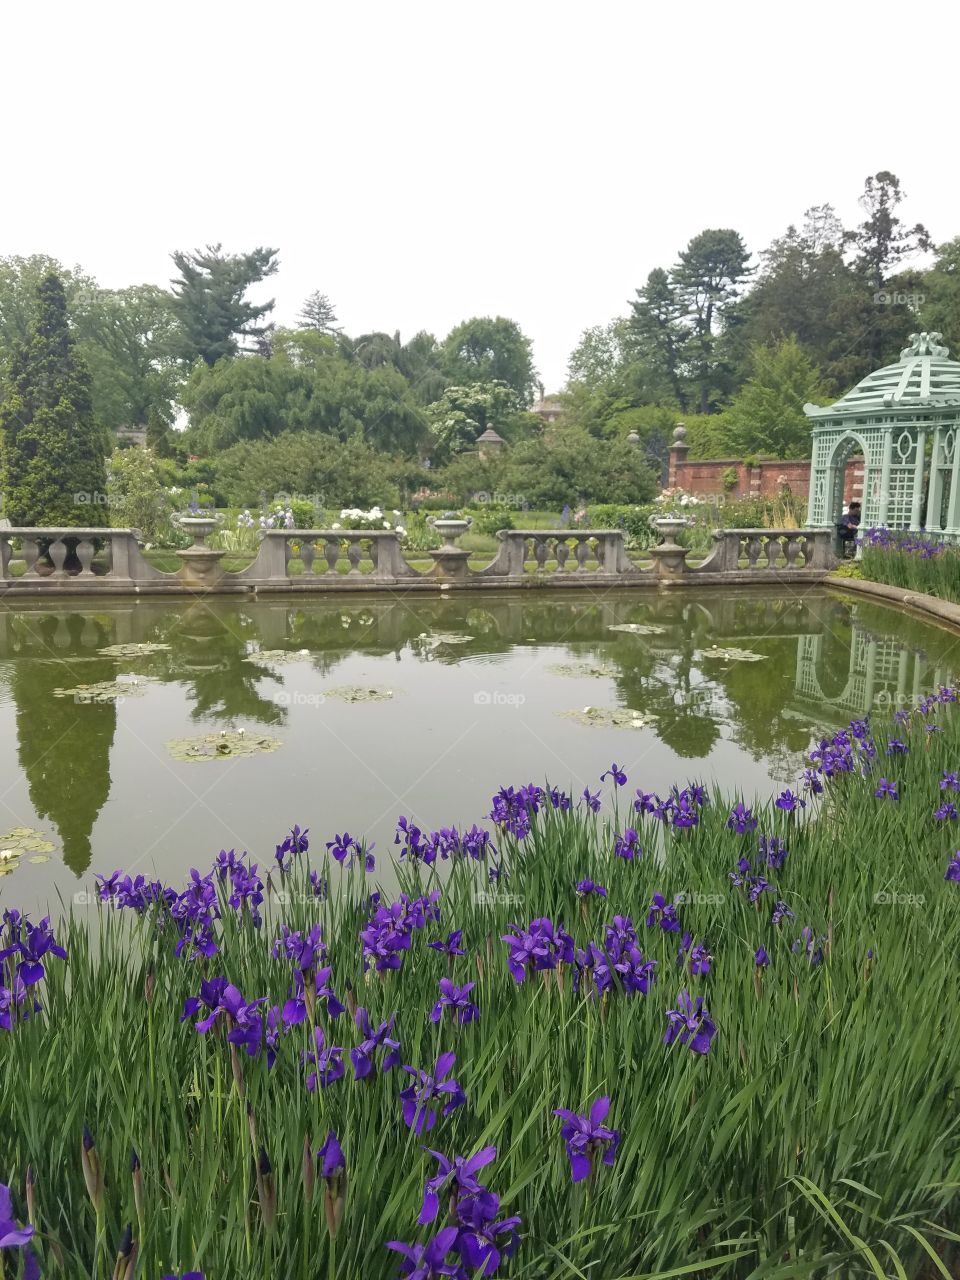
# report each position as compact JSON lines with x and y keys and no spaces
{"x":474,"y":693}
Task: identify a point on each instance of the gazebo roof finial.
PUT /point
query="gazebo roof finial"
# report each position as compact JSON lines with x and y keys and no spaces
{"x":925,"y":344}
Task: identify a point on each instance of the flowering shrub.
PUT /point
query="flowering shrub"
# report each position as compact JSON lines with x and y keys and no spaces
{"x":355,"y":518}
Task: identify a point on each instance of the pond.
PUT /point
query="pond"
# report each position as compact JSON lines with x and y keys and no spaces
{"x":344,"y":714}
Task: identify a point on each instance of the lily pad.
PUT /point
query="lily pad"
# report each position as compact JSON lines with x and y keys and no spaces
{"x":637,"y":628}
{"x":221,"y":746}
{"x":444,"y":637}
{"x":359,"y":693}
{"x":25,"y":840}
{"x":610,"y":717}
{"x":580,"y":670}
{"x":733,"y":655}
{"x":104,"y":690}
{"x":277,"y":657}
{"x":132,"y":650}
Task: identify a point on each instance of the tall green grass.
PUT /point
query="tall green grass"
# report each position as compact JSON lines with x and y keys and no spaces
{"x":819,"y":1137}
{"x":912,"y":562}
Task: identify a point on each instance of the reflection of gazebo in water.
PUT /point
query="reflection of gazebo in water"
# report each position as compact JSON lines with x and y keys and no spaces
{"x":881,"y":673}
{"x":904,"y":420}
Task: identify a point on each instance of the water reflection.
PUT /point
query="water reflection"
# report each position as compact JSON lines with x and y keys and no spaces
{"x":823,"y":660}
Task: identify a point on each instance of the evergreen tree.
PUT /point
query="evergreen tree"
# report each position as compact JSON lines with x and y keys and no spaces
{"x":52,"y":450}
{"x":318,"y":313}
{"x":209,"y":300}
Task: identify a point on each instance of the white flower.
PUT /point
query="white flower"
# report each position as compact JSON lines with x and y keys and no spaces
{"x":386,"y":524}
{"x":401,"y":530}
{"x":337,"y":525}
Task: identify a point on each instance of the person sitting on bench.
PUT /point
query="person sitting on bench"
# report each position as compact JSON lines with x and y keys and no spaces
{"x":848,"y":526}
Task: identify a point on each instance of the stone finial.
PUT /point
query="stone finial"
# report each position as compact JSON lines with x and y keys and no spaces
{"x":679,"y":433}
{"x":633,"y":438}
{"x":925,"y":344}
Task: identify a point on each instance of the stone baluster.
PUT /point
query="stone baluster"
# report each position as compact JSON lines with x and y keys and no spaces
{"x":331,"y":553}
{"x":85,"y":549}
{"x":541,"y":550}
{"x":308,"y":553}
{"x":754,"y":547}
{"x":354,"y":556}
{"x":791,"y":550}
{"x":772,"y":550}
{"x":582,"y":552}
{"x":6,"y":551}
{"x":31,"y":554}
{"x":563,"y":553}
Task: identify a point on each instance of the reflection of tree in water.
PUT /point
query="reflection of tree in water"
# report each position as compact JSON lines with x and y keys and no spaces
{"x":209,"y":657}
{"x":759,"y":693}
{"x":63,"y":747}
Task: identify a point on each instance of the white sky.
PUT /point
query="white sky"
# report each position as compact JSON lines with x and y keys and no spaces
{"x":426,"y":161}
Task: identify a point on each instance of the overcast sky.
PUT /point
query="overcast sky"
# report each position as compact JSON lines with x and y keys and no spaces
{"x":423,"y":162}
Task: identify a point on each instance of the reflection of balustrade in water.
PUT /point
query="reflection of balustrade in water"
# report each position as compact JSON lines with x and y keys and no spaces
{"x":110,"y":560}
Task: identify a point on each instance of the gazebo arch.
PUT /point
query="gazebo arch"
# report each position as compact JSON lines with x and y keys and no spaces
{"x":904,"y":418}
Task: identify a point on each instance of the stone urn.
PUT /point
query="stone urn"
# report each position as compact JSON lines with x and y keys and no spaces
{"x":669,"y":557}
{"x":450,"y":561}
{"x":200,"y":564}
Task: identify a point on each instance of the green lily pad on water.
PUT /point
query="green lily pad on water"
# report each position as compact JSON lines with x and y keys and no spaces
{"x":221,"y":746}
{"x":359,"y":693}
{"x":104,"y":691}
{"x":579,"y":670}
{"x":132,"y":650}
{"x":733,"y":655}
{"x":610,"y":717}
{"x":638,"y":628}
{"x":275,"y":657}
{"x":444,"y":637}
{"x":19,"y":842}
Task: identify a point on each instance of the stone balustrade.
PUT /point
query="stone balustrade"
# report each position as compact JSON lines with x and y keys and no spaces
{"x":93,"y":561}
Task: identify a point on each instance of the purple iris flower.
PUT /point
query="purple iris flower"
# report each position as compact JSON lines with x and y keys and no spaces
{"x":635,"y":973}
{"x":774,"y":851}
{"x":15,"y":1004}
{"x":811,"y":782}
{"x":699,"y":959}
{"x":897,"y":747}
{"x":664,"y":914}
{"x":457,"y":1000}
{"x":422,"y":1101}
{"x":14,"y":1237}
{"x":184,"y":1275}
{"x":886,"y":788}
{"x":953,"y":867}
{"x":646,"y":802}
{"x":328,"y":1062}
{"x":296,"y":842}
{"x":429,"y":1261}
{"x":559,"y":799}
{"x":781,"y":912}
{"x":586,"y":1136}
{"x":319,"y":885}
{"x":452,"y":945}
{"x":478,"y":1245}
{"x":346,"y":848}
{"x":628,"y":845}
{"x":617,"y":774}
{"x":690,"y":1024}
{"x":330,"y":1157}
{"x":950,"y":781}
{"x":761,"y":959}
{"x":592,"y":801}
{"x":809,"y":943}
{"x":741,"y":819}
{"x":32,"y":942}
{"x":530,"y":949}
{"x":305,"y":954}
{"x":364,"y":1055}
{"x":458,"y":1177}
{"x":946,"y":813}
{"x":789,"y":802}
{"x":587,"y":887}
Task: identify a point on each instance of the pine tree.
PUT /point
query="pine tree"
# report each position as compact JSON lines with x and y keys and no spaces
{"x":52,"y":450}
{"x":209,"y":301}
{"x":318,"y":313}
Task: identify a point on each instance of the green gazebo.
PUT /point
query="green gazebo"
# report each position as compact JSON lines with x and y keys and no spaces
{"x":904,"y":420}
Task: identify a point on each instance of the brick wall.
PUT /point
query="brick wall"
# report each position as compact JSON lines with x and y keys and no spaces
{"x":761,"y":479}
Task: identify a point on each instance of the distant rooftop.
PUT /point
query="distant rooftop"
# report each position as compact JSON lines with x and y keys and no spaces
{"x":490,"y":437}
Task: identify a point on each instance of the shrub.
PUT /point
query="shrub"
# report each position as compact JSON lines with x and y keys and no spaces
{"x":138,"y":498}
